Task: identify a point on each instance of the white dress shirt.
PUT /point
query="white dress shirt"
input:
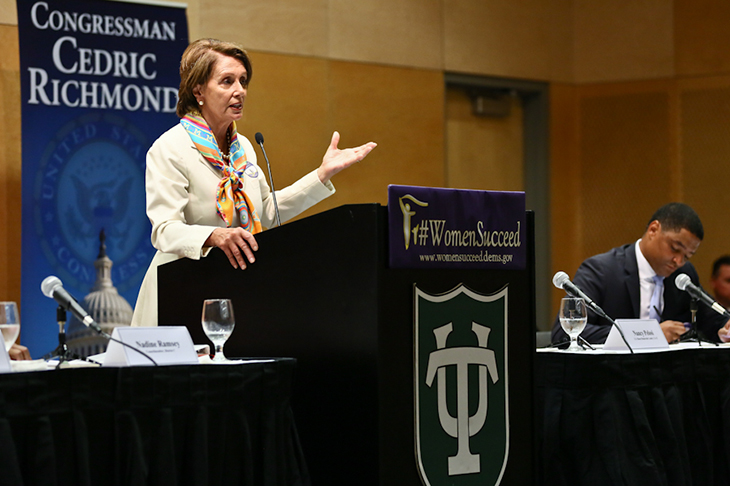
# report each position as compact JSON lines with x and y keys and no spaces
{"x":646,"y":284}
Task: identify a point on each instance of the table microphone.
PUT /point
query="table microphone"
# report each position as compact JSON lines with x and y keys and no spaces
{"x":683,"y":282}
{"x":562,"y":281}
{"x":260,"y":141}
{"x":53,"y":288}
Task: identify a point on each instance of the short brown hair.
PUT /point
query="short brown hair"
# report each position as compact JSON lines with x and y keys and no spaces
{"x":196,"y":66}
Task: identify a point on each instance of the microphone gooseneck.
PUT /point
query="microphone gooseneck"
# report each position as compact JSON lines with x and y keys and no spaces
{"x":260,"y":140}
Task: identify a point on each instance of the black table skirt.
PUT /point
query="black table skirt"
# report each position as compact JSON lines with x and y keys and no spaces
{"x":173,"y":425}
{"x":645,"y":419}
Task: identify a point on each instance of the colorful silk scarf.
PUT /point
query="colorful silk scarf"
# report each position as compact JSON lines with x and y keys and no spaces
{"x":230,"y":193}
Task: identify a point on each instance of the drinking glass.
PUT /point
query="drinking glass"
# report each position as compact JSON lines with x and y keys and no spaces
{"x":218,"y":323}
{"x":9,"y":323}
{"x":573,"y":318}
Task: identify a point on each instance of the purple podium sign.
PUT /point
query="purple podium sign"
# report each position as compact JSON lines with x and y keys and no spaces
{"x":456,"y":228}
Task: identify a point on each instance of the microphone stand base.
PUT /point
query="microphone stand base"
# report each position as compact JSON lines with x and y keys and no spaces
{"x":62,"y":352}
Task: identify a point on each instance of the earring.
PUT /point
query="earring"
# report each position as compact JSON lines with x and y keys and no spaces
{"x":200,"y":102}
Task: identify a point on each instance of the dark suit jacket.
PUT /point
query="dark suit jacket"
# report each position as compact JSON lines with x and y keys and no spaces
{"x":612,"y":280}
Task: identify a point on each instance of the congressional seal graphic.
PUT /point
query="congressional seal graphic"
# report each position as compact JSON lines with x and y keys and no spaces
{"x":91,"y":177}
{"x":461,"y":393}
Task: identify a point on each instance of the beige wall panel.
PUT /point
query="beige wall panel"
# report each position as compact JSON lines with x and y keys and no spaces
{"x":10,"y":166}
{"x":483,"y":152}
{"x":400,"y":109}
{"x":288,"y":103}
{"x":282,"y":26}
{"x":705,"y":152}
{"x":565,"y":187}
{"x":623,"y":40}
{"x":401,"y":32}
{"x":625,"y":161}
{"x":8,"y":12}
{"x":10,"y":58}
{"x":529,"y":39}
{"x":193,"y":16}
{"x":702,"y":36}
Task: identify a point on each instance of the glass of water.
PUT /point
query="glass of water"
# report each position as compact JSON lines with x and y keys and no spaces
{"x":9,"y":323}
{"x":573,"y":318}
{"x":218,"y":323}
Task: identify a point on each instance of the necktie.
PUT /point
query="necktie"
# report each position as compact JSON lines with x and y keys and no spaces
{"x":655,"y":309}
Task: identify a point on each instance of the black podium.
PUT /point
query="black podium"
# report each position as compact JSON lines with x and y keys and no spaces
{"x":321,"y":291}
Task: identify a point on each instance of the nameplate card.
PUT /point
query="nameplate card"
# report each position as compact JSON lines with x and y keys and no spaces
{"x":166,"y":345}
{"x":641,"y":334}
{"x":5,"y":361}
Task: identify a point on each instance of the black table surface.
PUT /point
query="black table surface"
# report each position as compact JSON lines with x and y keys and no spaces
{"x":171,"y":425}
{"x":643,"y":419}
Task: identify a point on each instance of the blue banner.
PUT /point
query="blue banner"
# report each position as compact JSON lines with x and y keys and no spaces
{"x":456,"y":228}
{"x":99,"y":84}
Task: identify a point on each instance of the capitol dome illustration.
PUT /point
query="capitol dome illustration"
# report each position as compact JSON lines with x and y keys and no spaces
{"x":104,"y":304}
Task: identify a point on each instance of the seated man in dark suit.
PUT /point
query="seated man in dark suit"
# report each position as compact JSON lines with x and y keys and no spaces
{"x":637,"y":280}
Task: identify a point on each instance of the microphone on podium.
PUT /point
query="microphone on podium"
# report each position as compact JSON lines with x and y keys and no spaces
{"x":260,"y":141}
{"x":683,"y":282}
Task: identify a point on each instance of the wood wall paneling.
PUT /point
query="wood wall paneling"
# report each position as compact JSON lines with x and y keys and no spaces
{"x":530,"y":39}
{"x":281,"y":26}
{"x":400,"y":32}
{"x":10,"y":166}
{"x":618,"y":40}
{"x":705,"y":151}
{"x":625,"y":162}
{"x":483,"y":152}
{"x":399,"y":108}
{"x":566,"y":221}
{"x":8,"y":12}
{"x":701,"y":37}
{"x":403,"y":111}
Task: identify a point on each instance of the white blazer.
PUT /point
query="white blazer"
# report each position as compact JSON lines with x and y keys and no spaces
{"x":181,"y":191}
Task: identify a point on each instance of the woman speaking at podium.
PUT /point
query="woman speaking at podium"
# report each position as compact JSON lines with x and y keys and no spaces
{"x":204,"y":188}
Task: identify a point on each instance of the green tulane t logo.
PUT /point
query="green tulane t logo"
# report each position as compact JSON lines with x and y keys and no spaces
{"x":461,"y":406}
